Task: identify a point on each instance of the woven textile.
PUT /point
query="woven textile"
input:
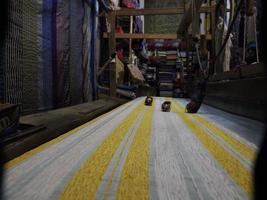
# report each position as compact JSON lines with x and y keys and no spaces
{"x":11,"y":61}
{"x":45,"y":59}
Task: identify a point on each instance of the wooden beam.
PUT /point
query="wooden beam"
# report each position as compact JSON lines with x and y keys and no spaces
{"x":143,"y":36}
{"x":189,"y":15}
{"x":130,"y":41}
{"x":112,"y":49}
{"x":147,"y":36}
{"x":156,"y":11}
{"x":213,"y":28}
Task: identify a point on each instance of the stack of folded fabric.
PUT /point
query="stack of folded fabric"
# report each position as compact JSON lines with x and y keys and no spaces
{"x":150,"y":75}
{"x":162,"y":55}
{"x":167,"y":72}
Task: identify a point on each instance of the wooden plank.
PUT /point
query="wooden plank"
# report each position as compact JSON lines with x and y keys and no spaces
{"x":143,"y":36}
{"x":130,"y":41}
{"x":112,"y":49}
{"x":257,"y":69}
{"x":245,"y":71}
{"x":229,"y":75}
{"x":156,"y":11}
{"x":147,"y":36}
{"x":213,"y":28}
{"x":242,"y":96}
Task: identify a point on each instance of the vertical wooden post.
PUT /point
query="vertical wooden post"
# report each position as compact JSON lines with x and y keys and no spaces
{"x":195,"y":21}
{"x":213,"y":27}
{"x":112,"y":49}
{"x":250,"y":7}
{"x":203,"y":45}
{"x":130,"y":40}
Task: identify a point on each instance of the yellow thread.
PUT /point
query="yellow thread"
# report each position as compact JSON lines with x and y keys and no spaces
{"x":113,"y":172}
{"x":87,"y":179}
{"x":244,"y":149}
{"x":54,"y":141}
{"x":234,"y":168}
{"x":135,"y":174}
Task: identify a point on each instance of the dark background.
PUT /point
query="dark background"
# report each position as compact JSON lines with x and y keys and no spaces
{"x":260,"y":175}
{"x":3,"y":28}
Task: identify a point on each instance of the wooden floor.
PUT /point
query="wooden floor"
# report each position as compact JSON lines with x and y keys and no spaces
{"x":140,"y":152}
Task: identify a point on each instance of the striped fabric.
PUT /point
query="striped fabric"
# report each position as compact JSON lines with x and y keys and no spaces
{"x":63,"y":48}
{"x":76,"y":52}
{"x":139,"y":152}
{"x":86,"y":54}
{"x":46,"y":82}
{"x":45,"y":62}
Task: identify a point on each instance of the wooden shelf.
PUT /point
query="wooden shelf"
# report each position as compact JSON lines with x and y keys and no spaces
{"x":157,"y":11}
{"x":147,"y":36}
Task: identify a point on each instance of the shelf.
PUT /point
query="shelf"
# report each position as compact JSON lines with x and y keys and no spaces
{"x":167,"y":36}
{"x":157,"y":11}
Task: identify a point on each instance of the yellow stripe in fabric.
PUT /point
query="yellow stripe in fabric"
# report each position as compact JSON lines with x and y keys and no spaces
{"x":87,"y":179}
{"x":240,"y":174}
{"x":51,"y":142}
{"x":114,"y":170}
{"x":113,"y":173}
{"x":242,"y":148}
{"x":135,"y":174}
